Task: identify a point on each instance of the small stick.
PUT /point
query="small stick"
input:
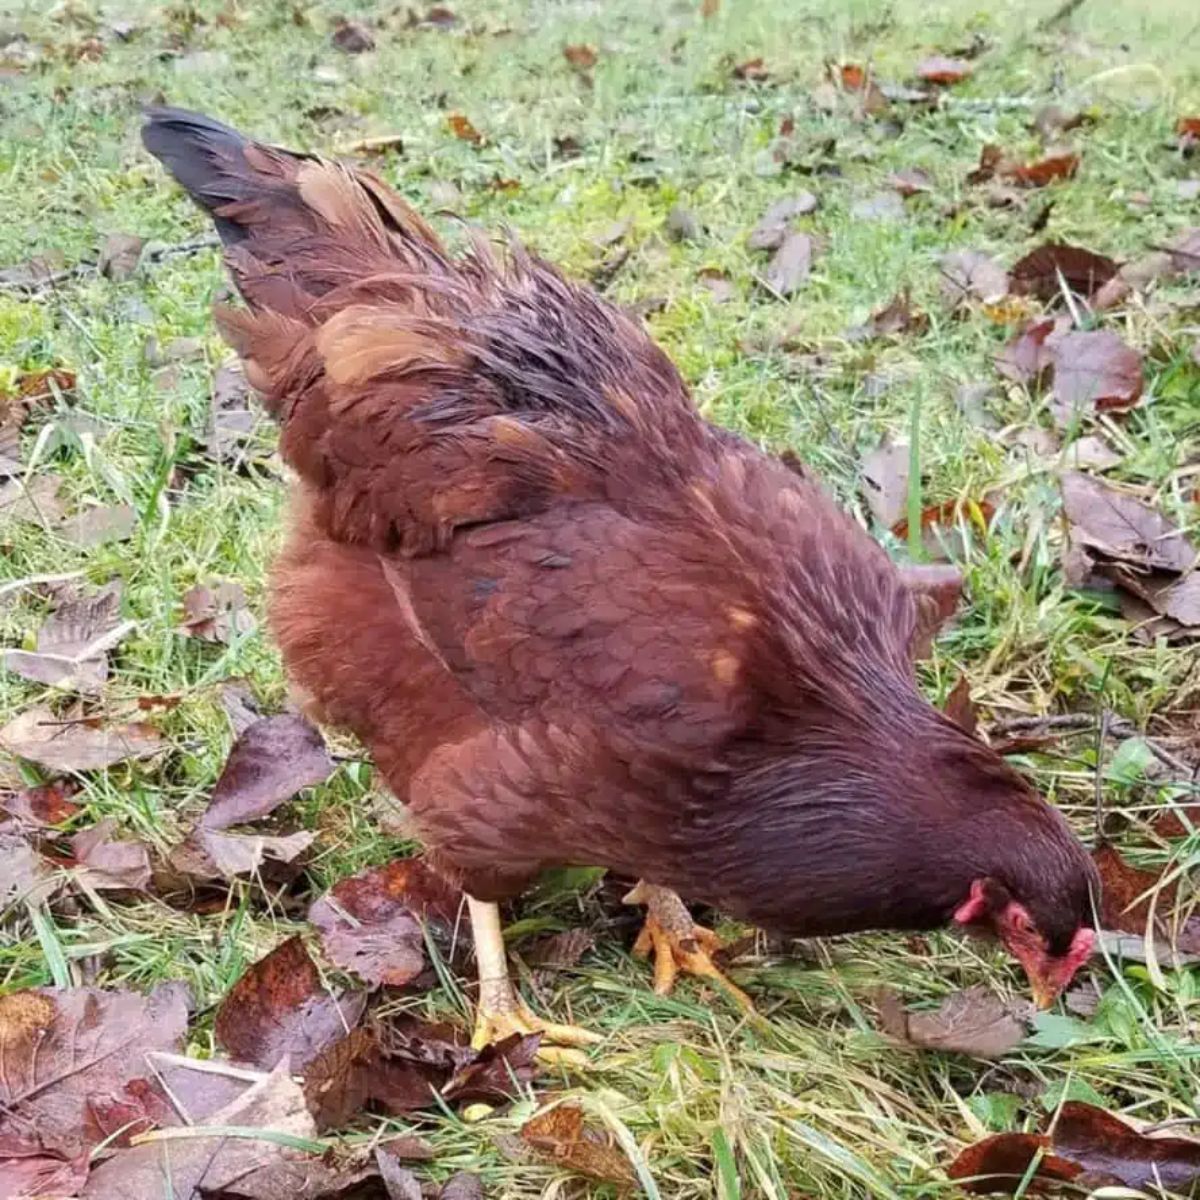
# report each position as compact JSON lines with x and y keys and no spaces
{"x":1101,"y":736}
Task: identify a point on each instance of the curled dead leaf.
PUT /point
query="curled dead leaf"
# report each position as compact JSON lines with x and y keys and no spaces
{"x":561,"y":1135}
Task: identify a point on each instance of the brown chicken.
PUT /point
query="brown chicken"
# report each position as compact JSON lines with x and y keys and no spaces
{"x":575,"y":623}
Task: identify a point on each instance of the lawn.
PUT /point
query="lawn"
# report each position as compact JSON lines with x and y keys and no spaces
{"x":641,"y":159}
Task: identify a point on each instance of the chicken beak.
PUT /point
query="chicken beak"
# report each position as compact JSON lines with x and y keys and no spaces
{"x":1044,"y":992}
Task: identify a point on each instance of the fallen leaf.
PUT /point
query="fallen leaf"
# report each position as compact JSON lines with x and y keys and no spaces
{"x":354,"y":1072}
{"x":174,"y":350}
{"x":937,"y":590}
{"x":581,"y":56}
{"x":1130,"y":895}
{"x":66,"y":1050}
{"x":1026,"y":358}
{"x":560,"y":1135}
{"x":33,"y":500}
{"x":207,"y":854}
{"x":1051,"y":120}
{"x":279,"y":1011}
{"x":1188,"y":129}
{"x":462,"y":129}
{"x":1119,"y":527}
{"x":33,"y":274}
{"x":73,"y":643}
{"x":105,"y":864}
{"x":352,"y":37}
{"x":88,"y":744}
{"x":942,"y":71}
{"x":882,"y":206}
{"x":717,"y":283}
{"x":1061,"y":165}
{"x":773,"y":228}
{"x":120,"y":255}
{"x":959,"y":707}
{"x":496,"y":1071}
{"x":267,"y":766}
{"x":944,"y":527}
{"x":971,"y":275}
{"x":373,"y":924}
{"x":462,"y":1185}
{"x":897,"y":316}
{"x":231,"y":421}
{"x":400,"y":1183}
{"x":753,"y":70}
{"x":885,"y":481}
{"x":974,"y":1021}
{"x":99,"y":525}
{"x":42,"y":807}
{"x":216,"y":613}
{"x":871,"y":98}
{"x":1092,"y":453}
{"x":558,"y":951}
{"x":252,"y":1168}
{"x":791,"y":264}
{"x":1042,"y":272}
{"x":1094,"y":371}
{"x":24,"y":875}
{"x":682,"y":225}
{"x":1082,"y":1139}
{"x":908,"y":181}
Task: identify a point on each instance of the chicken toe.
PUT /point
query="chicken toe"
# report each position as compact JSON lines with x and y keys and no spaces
{"x":501,"y":1012}
{"x":677,"y":943}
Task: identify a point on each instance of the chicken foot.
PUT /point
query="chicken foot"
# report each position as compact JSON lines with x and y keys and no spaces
{"x":677,"y":943}
{"x":501,"y":1011}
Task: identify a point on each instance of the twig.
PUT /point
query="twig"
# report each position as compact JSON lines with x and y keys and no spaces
{"x":1101,"y":736}
{"x":45,"y":282}
{"x":1060,"y":14}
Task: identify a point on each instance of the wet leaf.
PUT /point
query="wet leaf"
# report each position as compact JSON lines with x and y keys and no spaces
{"x":73,"y":643}
{"x":973,"y":1021}
{"x":231,"y":420}
{"x":1038,"y":272}
{"x":1027,"y":359}
{"x":67,"y":1050}
{"x":216,"y":613}
{"x":462,"y":129}
{"x":98,"y":525}
{"x":971,"y":275}
{"x":1083,"y":1139}
{"x":279,"y":1010}
{"x":773,"y":228}
{"x":791,"y":264}
{"x":120,"y":255}
{"x":352,"y":37}
{"x":959,"y":706}
{"x":372,"y":924}
{"x":937,"y":589}
{"x":1119,"y":527}
{"x":495,"y":1072}
{"x":267,"y":766}
{"x":1094,"y":372}
{"x":581,"y":56}
{"x":885,"y":481}
{"x":943,"y":71}
{"x":82,"y":744}
{"x":106,"y":864}
{"x":1131,"y":895}
{"x":561,"y":1136}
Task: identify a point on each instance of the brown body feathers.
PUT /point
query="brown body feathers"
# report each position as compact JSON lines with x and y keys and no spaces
{"x":573,"y":622}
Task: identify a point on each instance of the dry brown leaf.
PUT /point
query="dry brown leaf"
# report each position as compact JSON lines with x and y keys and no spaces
{"x":207,"y":854}
{"x":753,"y":70}
{"x":561,"y":1136}
{"x":909,"y":181}
{"x":1042,"y":272}
{"x":791,"y":264}
{"x":216,"y":613}
{"x":279,"y":1010}
{"x":42,"y":807}
{"x":98,"y":525}
{"x":352,"y":37}
{"x":24,"y":875}
{"x":105,"y":864}
{"x":81,"y":744}
{"x":374,"y":923}
{"x":1026,"y":358}
{"x":231,"y":420}
{"x":973,"y":1021}
{"x":885,"y":481}
{"x":1094,"y":371}
{"x":120,"y":255}
{"x":581,"y":56}
{"x":959,"y":706}
{"x":462,"y":129}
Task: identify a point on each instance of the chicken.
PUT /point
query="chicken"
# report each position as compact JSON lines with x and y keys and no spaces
{"x":576,"y":624}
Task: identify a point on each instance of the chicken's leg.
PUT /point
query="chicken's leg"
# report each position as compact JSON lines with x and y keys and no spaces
{"x":677,"y":943}
{"x":501,"y":1011}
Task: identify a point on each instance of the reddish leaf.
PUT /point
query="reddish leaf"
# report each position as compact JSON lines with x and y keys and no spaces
{"x":560,"y":1136}
{"x":1062,"y":165}
{"x":1188,"y":129}
{"x":43,"y":806}
{"x":352,"y":37}
{"x":937,"y":589}
{"x":753,"y":70}
{"x":1083,"y":1139}
{"x":971,"y":275}
{"x":106,"y":864}
{"x":871,"y":97}
{"x":67,"y":1049}
{"x":462,"y":129}
{"x":582,"y":57}
{"x":373,"y":923}
{"x":974,"y":1021}
{"x":216,"y":613}
{"x":40,"y":736}
{"x":1038,"y":273}
{"x":279,"y":1010}
{"x":1118,"y":526}
{"x":1094,"y":372}
{"x":937,"y":69}
{"x":959,"y":707}
{"x":1130,"y":895}
{"x":941,"y":535}
{"x":268,"y":765}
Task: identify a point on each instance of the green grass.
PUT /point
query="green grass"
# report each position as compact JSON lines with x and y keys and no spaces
{"x":816,"y":1103}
